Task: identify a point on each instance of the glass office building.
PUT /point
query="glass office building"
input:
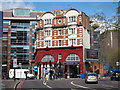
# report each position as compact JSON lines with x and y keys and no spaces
{"x":18,"y":37}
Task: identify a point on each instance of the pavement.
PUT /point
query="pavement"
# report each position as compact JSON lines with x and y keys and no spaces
{"x":11,"y":84}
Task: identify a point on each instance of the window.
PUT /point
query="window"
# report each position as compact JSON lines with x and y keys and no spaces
{"x":20,"y":11}
{"x":47,"y":33}
{"x":72,"y":19}
{"x":6,"y":22}
{"x":71,"y":30}
{"x":48,"y":58}
{"x":73,"y":57}
{"x":59,"y":21}
{"x":59,"y":56}
{"x":33,"y":22}
{"x":60,"y":42}
{"x":59,"y":12}
{"x":72,"y":41}
{"x":47,"y":21}
{"x":47,"y":43}
{"x":59,"y":32}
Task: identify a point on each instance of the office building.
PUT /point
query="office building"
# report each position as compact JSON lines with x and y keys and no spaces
{"x":18,"y":37}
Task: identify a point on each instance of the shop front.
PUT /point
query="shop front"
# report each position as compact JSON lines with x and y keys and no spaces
{"x":72,"y":69}
{"x":61,"y":61}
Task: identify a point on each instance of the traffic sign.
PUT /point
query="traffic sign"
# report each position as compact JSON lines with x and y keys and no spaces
{"x":14,"y":53}
{"x":35,"y":68}
{"x":117,"y":63}
{"x":15,"y":62}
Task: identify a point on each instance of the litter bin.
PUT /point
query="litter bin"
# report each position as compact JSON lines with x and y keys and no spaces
{"x":82,"y":75}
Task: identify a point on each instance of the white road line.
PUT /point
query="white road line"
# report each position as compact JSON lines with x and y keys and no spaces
{"x":78,"y":85}
{"x":44,"y":83}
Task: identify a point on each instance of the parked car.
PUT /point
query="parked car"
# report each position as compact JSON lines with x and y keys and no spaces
{"x":91,"y":78}
{"x":31,"y":76}
{"x":115,"y":76}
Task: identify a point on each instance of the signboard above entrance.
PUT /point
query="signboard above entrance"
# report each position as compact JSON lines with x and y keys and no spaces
{"x":71,"y":63}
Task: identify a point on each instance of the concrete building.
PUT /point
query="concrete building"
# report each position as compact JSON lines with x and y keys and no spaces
{"x":18,"y":37}
{"x":110,"y":47}
{"x":61,"y":40}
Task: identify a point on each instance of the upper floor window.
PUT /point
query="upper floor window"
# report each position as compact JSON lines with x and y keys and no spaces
{"x":59,"y":32}
{"x":47,"y":32}
{"x":6,"y":22}
{"x":72,"y":41}
{"x":33,"y":22}
{"x":47,"y":21}
{"x":20,"y":11}
{"x":72,"y":19}
{"x":47,"y":43}
{"x":71,"y":30}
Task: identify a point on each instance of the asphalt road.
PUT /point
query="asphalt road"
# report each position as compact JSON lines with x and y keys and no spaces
{"x":70,"y":84}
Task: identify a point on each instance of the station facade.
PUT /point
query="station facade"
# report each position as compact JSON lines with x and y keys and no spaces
{"x":61,"y":40}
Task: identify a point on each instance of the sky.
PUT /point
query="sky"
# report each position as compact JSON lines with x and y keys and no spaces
{"x":109,"y":8}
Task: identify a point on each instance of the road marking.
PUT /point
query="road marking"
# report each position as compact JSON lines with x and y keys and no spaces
{"x":45,"y":83}
{"x":78,"y":85}
{"x":20,"y":84}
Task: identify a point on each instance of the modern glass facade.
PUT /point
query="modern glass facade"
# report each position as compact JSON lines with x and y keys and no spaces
{"x":21,"y":11}
{"x":18,"y":36}
{"x":20,"y":32}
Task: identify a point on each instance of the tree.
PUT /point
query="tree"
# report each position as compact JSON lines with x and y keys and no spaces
{"x":101,"y":23}
{"x":114,"y":57}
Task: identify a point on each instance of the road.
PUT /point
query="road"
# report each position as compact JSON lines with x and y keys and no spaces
{"x":70,"y":84}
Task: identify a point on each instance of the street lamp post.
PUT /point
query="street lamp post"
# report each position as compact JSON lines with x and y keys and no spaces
{"x":14,"y":64}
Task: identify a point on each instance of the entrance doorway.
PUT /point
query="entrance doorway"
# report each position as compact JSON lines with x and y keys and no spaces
{"x":73,"y":71}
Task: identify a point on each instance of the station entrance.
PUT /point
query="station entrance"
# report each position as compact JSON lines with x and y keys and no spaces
{"x":72,"y":70}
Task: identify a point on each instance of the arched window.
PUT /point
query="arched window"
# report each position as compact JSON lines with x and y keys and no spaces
{"x":73,"y":57}
{"x":48,"y":58}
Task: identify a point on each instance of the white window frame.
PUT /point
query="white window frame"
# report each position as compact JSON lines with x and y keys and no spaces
{"x":59,"y":56}
{"x":72,"y":19}
{"x":72,"y":31}
{"x":72,"y":41}
{"x":47,"y":21}
{"x":73,"y":57}
{"x":48,"y":58}
{"x":47,"y":43}
{"x":47,"y":32}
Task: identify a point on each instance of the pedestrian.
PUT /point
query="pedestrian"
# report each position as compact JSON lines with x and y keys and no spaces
{"x":51,"y":73}
{"x":66,"y":75}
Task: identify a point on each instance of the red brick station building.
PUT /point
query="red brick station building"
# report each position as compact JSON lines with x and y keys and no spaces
{"x":61,"y":40}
